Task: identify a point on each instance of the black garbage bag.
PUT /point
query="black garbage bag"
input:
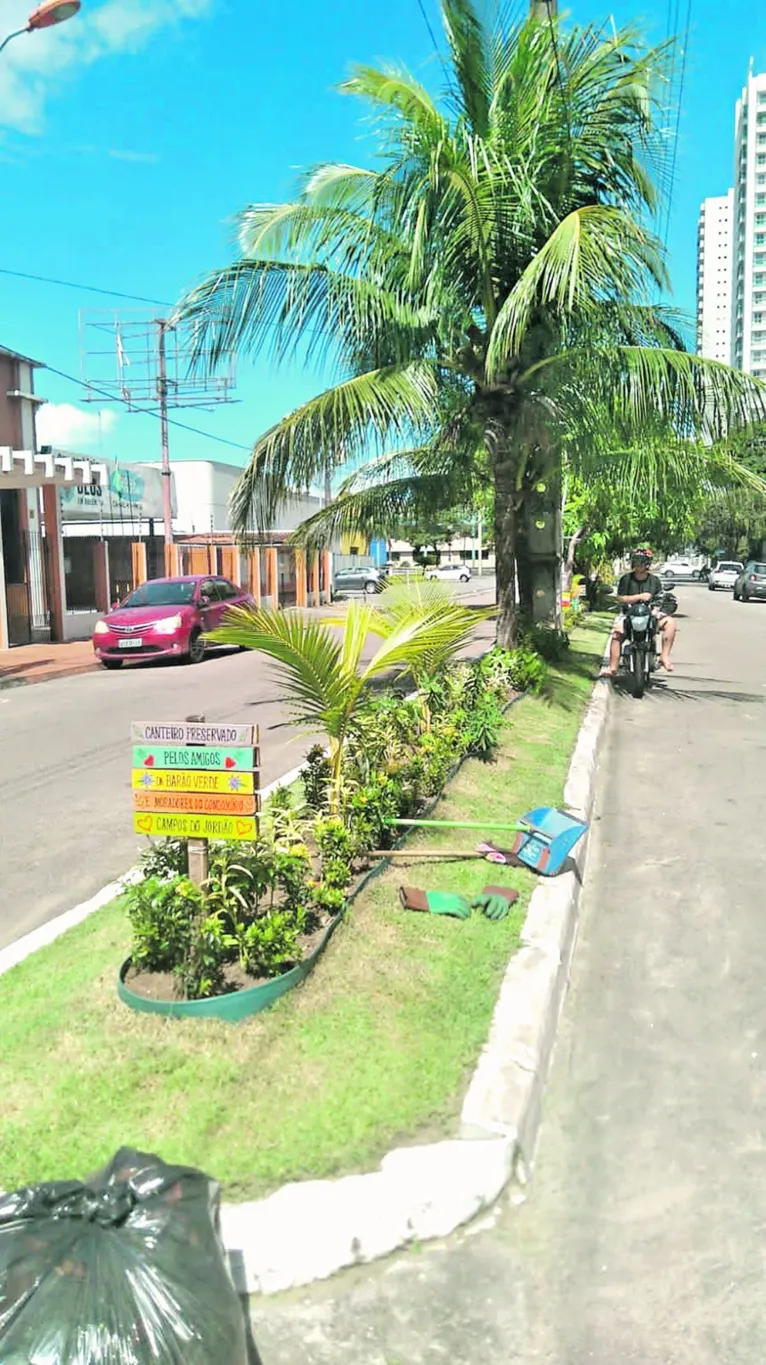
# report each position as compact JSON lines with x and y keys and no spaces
{"x":127,"y":1269}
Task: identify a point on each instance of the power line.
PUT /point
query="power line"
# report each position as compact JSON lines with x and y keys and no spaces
{"x":427,"y":22}
{"x":673,"y":163}
{"x":148,"y":412}
{"x":88,"y":288}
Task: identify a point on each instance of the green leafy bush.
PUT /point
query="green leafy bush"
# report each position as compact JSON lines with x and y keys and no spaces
{"x":336,"y":852}
{"x":315,"y":775}
{"x":211,"y":947}
{"x":162,"y":914}
{"x":552,"y":645}
{"x":483,"y":727}
{"x":166,"y":858}
{"x":269,"y":945}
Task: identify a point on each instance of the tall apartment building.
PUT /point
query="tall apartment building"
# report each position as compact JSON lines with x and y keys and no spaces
{"x":748,"y":305}
{"x":714,"y":274}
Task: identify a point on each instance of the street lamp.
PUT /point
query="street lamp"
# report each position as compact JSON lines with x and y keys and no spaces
{"x":45,"y":16}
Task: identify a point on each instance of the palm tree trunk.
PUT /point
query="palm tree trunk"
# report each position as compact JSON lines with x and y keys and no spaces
{"x":505,"y":548}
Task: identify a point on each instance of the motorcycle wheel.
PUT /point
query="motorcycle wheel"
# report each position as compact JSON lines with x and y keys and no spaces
{"x":639,"y":674}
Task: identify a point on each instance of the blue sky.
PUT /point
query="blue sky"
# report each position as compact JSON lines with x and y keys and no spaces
{"x":131,"y":135}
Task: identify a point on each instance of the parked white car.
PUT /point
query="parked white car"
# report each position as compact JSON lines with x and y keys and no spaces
{"x":678,"y":568}
{"x":450,"y":573}
{"x":725,"y":575}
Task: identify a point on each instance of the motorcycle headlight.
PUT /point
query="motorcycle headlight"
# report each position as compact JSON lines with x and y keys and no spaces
{"x":167,"y":626}
{"x":101,"y":628}
{"x":640,"y":622}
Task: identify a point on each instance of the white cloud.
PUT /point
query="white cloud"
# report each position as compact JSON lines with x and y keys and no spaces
{"x":32,"y":62}
{"x":72,"y":428}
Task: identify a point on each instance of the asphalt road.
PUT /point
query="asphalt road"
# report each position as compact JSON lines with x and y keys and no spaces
{"x":642,"y":1240}
{"x":66,"y":822}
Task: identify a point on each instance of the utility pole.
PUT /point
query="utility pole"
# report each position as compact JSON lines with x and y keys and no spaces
{"x":162,"y":394}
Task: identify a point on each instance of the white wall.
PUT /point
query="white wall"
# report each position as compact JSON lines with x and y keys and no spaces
{"x":79,"y":625}
{"x":203,"y":490}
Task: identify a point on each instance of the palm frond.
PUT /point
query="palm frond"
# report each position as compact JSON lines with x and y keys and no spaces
{"x":596,"y":253}
{"x":327,"y":433}
{"x":309,"y":659}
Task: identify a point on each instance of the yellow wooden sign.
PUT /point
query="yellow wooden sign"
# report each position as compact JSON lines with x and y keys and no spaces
{"x":160,"y":780}
{"x":194,"y":803}
{"x":229,"y":827}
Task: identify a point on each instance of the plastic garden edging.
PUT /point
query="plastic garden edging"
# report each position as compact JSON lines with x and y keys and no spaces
{"x":235,"y":1005}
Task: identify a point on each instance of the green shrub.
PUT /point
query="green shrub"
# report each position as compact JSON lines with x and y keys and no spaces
{"x":552,"y":645}
{"x":483,"y":727}
{"x":212,"y":946}
{"x":369,"y":808}
{"x":335,"y":852}
{"x":269,"y":946}
{"x":315,"y":775}
{"x":162,"y":914}
{"x":166,"y":858}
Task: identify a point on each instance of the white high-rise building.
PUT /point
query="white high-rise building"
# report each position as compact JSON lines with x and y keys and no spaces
{"x":748,"y":317}
{"x":714,"y":266}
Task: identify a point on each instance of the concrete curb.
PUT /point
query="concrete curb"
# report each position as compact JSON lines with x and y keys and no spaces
{"x":23,"y":680}
{"x":309,"y":1230}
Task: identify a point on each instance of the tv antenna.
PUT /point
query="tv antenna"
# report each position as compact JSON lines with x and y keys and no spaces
{"x":147,"y":364}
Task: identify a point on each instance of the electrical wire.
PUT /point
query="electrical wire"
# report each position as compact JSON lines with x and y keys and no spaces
{"x":682,"y":82}
{"x":427,"y":23}
{"x":88,"y":288}
{"x":147,"y":412}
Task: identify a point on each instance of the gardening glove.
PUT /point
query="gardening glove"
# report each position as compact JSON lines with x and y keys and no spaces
{"x":435,"y":902}
{"x":495,"y":907}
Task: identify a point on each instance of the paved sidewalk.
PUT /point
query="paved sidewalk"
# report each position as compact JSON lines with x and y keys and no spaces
{"x":40,"y":663}
{"x":643,"y":1237}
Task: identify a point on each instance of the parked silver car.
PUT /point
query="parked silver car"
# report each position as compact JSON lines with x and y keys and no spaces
{"x":359,"y":578}
{"x":751,"y":582}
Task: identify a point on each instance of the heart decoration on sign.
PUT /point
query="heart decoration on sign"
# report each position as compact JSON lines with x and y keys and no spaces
{"x":149,"y":761}
{"x":144,"y":824}
{"x":231,"y":763}
{"x":244,"y":827}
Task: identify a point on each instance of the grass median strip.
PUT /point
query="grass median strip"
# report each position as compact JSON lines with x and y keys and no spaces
{"x":375,"y":1049}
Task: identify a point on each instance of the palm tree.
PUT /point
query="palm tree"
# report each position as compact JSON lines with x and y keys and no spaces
{"x":487,"y":288}
{"x":324,"y":678}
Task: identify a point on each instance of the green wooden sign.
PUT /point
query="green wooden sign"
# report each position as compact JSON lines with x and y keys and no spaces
{"x":150,"y":756}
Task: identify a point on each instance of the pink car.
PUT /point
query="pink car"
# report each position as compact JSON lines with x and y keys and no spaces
{"x":166,"y":617}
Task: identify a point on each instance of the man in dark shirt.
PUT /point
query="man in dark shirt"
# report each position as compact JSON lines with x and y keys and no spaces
{"x":640,"y":585}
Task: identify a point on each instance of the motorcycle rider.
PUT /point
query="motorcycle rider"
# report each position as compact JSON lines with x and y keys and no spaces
{"x":640,"y":585}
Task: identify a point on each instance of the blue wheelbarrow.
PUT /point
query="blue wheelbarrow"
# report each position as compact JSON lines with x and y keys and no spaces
{"x":545,"y":837}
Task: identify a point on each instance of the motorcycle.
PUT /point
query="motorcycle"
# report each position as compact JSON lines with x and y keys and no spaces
{"x":639,"y":649}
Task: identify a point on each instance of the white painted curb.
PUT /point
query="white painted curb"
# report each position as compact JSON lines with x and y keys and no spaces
{"x":306,"y":1231}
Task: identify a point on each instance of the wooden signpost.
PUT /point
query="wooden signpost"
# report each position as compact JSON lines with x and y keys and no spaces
{"x":195,"y":781}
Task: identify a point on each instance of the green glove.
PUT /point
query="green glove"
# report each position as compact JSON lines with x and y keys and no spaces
{"x":446,"y":903}
{"x":494,"y":907}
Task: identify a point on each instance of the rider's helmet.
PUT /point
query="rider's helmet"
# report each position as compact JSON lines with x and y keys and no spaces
{"x":641,"y":558}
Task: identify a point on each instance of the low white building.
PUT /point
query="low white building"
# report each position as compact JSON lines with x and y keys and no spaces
{"x":203,"y":492}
